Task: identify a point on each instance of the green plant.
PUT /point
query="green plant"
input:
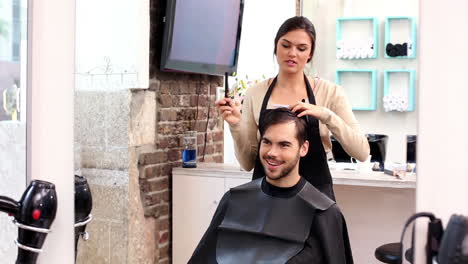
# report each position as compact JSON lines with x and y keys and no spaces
{"x":241,"y":85}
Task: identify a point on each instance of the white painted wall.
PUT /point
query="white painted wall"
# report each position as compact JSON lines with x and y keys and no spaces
{"x":443,"y":120}
{"x":261,"y":21}
{"x":112,"y":44}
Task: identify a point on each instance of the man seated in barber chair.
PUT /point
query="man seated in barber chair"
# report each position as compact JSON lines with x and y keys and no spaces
{"x":279,"y":218}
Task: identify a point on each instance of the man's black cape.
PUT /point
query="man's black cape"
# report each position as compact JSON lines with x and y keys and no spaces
{"x":251,"y":217}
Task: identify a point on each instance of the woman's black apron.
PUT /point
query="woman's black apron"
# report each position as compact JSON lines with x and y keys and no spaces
{"x":313,"y":166}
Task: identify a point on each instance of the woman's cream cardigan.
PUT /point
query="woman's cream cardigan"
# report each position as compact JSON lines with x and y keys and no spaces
{"x":339,"y":120}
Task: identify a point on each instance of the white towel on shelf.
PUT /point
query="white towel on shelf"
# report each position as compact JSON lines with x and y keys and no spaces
{"x":395,"y":102}
{"x":354,"y":49}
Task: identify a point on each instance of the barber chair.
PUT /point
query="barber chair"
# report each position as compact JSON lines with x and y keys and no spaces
{"x":339,"y":154}
{"x":33,"y":214}
{"x":411,"y":148}
{"x":83,"y":207}
{"x":378,"y":150}
{"x":443,"y":247}
{"x":454,"y":246}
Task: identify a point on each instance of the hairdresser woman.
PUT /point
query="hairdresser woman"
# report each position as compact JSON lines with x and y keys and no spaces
{"x":321,"y":102}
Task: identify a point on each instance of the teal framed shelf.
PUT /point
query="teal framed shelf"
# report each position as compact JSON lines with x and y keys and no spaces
{"x":360,"y":78}
{"x":411,"y":37}
{"x":410,"y":88}
{"x":348,"y":50}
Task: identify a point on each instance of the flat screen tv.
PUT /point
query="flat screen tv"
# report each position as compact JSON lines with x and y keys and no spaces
{"x":202,"y":36}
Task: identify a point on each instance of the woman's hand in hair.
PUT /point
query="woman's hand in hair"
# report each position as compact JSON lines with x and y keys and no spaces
{"x":230,"y":110}
{"x":303,"y":109}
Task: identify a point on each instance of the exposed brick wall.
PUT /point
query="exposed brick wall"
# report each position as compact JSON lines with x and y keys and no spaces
{"x":182,"y":104}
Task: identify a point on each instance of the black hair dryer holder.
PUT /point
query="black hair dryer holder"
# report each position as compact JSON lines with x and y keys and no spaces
{"x":83,"y":207}
{"x":34,"y":213}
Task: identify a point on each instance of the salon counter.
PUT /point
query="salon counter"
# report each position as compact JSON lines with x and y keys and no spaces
{"x":375,"y":205}
{"x":340,"y":177}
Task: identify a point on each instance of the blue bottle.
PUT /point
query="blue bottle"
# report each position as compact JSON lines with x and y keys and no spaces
{"x":189,"y":158}
{"x":189,"y":153}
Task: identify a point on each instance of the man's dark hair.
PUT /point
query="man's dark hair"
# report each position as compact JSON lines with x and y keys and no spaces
{"x":293,"y":23}
{"x":281,"y":116}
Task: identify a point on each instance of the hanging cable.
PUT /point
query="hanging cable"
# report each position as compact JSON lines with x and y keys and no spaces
{"x":207,"y":122}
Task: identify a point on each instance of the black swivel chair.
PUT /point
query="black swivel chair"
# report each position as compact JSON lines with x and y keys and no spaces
{"x":442,"y":247}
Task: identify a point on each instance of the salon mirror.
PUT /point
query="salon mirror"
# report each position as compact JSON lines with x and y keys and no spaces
{"x":130,"y":119}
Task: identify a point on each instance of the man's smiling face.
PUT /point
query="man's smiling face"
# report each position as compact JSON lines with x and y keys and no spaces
{"x":280,"y":151}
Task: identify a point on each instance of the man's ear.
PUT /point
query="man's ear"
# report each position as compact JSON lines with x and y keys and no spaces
{"x":304,"y":148}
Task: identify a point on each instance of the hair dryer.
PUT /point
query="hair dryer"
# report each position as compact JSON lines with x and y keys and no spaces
{"x":33,"y":214}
